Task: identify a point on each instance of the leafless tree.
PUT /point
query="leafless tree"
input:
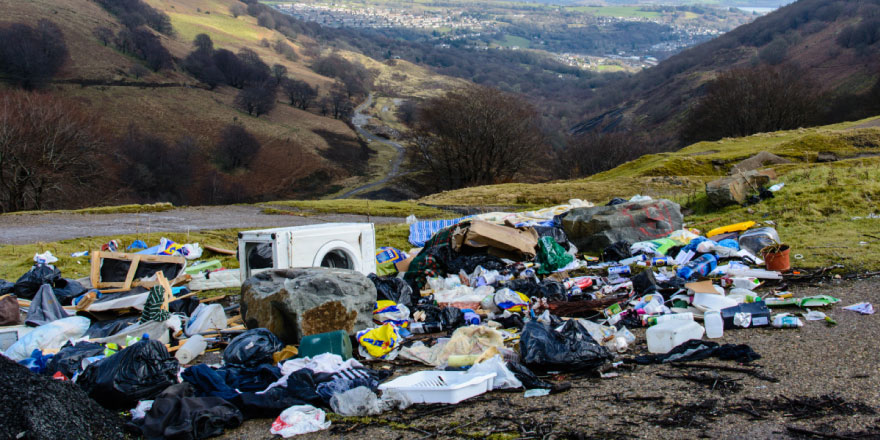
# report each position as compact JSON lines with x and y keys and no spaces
{"x":29,"y":56}
{"x":257,"y":99}
{"x":237,"y":9}
{"x":740,"y":102}
{"x":48,"y":151}
{"x":476,"y":135}
{"x":236,"y":148}
{"x":299,"y":92}
{"x":103,"y":34}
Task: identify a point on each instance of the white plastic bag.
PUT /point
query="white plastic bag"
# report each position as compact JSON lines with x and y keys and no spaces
{"x":205,"y":318}
{"x":299,"y":419}
{"x":50,"y":336}
{"x":191,"y":251}
{"x":45,"y":258}
{"x":360,"y":401}
{"x":504,"y":378}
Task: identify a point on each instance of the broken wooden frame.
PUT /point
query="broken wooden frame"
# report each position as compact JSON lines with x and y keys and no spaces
{"x":130,"y":281}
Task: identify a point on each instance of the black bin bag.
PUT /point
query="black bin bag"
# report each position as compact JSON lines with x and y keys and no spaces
{"x":543,"y":348}
{"x":28,"y":284}
{"x":393,"y":289}
{"x":252,"y":348}
{"x":139,"y":372}
{"x":68,"y":360}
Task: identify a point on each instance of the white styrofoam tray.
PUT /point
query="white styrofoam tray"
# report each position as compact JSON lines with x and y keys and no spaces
{"x":440,"y":386}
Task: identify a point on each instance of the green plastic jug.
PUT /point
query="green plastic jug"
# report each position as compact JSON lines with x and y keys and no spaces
{"x":336,"y":342}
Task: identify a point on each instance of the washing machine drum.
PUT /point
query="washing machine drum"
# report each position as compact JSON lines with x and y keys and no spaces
{"x":260,"y":256}
{"x":338,"y":258}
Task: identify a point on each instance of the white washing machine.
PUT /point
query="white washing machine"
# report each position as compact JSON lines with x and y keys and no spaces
{"x":340,"y":245}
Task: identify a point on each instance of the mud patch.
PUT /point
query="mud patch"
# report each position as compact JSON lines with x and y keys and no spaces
{"x":328,"y":317}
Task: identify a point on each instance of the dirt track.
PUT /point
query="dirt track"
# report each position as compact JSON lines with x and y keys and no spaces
{"x":22,"y":229}
{"x":813,"y":361}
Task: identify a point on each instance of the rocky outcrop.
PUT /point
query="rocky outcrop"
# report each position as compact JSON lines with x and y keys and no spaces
{"x":757,"y":161}
{"x":735,"y":189}
{"x":293,"y":303}
{"x":593,"y":229}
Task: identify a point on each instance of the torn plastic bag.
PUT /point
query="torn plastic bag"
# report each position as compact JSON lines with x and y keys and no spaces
{"x":66,"y":290}
{"x":138,"y":372}
{"x":558,"y":235}
{"x":299,"y":419}
{"x":44,"y":308}
{"x":252,"y":348}
{"x":617,"y":251}
{"x":573,"y":348}
{"x":528,"y":378}
{"x":205,"y":318}
{"x":356,"y":402}
{"x":6,"y":287}
{"x":102,"y":329}
{"x":551,"y":256}
{"x":156,"y":330}
{"x":503,"y":379}
{"x":393,"y":289}
{"x":29,"y":283}
{"x":48,"y":337}
{"x":645,"y":283}
{"x":260,"y":256}
{"x":68,"y":360}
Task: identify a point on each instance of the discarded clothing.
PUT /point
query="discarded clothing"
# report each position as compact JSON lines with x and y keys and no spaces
{"x":153,"y":306}
{"x":178,"y":414}
{"x":695,"y":350}
{"x":44,"y":308}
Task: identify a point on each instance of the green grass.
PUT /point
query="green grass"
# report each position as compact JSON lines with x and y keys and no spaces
{"x":513,"y":40}
{"x":15,"y":260}
{"x":223,"y":29}
{"x":119,"y":209}
{"x":379,"y":208}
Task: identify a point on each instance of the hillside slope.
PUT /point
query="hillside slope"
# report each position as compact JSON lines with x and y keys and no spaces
{"x":822,"y":212}
{"x":304,"y":153}
{"x":806,"y":34}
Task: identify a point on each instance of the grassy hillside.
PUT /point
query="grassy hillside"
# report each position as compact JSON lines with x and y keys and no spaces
{"x":297,"y":144}
{"x":822,"y":211}
{"x":806,"y":33}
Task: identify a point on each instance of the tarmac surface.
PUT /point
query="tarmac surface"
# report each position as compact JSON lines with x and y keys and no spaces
{"x":655,"y":401}
{"x":27,"y":228}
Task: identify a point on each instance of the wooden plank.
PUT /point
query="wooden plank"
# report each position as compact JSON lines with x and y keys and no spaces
{"x":166,"y":290}
{"x":132,"y":269}
{"x":95,"y":274}
{"x":218,"y":250}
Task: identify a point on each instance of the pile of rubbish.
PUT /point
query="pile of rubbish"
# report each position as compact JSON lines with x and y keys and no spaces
{"x":495,"y":301}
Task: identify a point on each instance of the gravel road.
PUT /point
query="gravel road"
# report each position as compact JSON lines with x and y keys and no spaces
{"x":812,"y":361}
{"x":25,"y":228}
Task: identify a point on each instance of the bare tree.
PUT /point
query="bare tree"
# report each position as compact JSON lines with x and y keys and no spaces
{"x":338,"y":102}
{"x":103,"y":34}
{"x":476,"y":135}
{"x":138,"y":70}
{"x":299,"y":92}
{"x":257,"y":99}
{"x":237,"y":9}
{"x":48,"y":151}
{"x":278,"y":72}
{"x":29,"y":56}
{"x":236,"y":148}
{"x":741,"y":102}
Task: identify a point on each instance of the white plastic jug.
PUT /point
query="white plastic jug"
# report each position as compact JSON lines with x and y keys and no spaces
{"x":192,"y":348}
{"x":714,"y":324}
{"x":662,"y":338}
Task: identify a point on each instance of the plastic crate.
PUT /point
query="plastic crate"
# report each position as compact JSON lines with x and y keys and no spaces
{"x":440,"y":386}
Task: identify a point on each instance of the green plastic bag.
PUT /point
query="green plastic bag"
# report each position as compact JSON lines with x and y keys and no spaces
{"x":551,"y":256}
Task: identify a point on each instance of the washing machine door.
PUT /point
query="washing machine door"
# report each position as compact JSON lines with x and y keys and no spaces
{"x":338,"y":254}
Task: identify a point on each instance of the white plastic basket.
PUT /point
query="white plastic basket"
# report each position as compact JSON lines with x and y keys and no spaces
{"x":440,"y":386}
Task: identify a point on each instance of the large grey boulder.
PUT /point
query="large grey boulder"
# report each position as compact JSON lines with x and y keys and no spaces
{"x":736,"y":189}
{"x":757,"y":161}
{"x":594,"y":229}
{"x":293,"y":303}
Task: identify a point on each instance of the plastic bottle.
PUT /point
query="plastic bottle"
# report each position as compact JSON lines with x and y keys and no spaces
{"x":470,"y":317}
{"x":634,"y":259}
{"x":662,"y":338}
{"x":619,"y":270}
{"x":787,"y":321}
{"x":714,"y":324}
{"x":192,"y":348}
{"x":654,"y":320}
{"x":701,"y":266}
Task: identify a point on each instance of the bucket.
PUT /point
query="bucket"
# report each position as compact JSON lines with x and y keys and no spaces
{"x":777,"y":261}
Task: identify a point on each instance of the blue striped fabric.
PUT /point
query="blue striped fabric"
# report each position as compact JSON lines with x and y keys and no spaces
{"x":420,"y":232}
